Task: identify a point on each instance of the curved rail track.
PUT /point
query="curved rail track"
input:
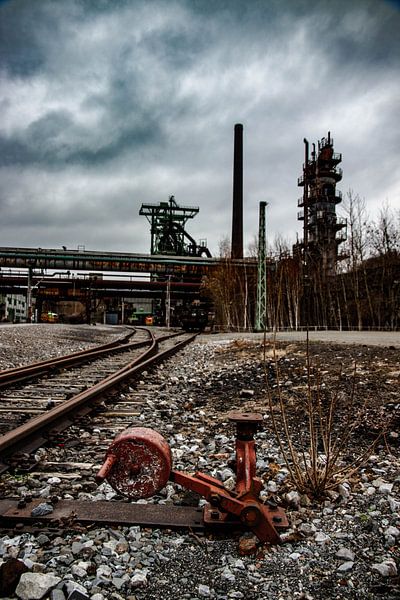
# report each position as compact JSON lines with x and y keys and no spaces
{"x":19,"y":374}
{"x":57,"y":400}
{"x":68,"y":461}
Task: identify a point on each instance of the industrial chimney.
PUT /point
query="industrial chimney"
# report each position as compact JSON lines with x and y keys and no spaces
{"x":237,"y":209}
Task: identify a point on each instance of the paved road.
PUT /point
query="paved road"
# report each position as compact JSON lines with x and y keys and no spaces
{"x":368,"y":338}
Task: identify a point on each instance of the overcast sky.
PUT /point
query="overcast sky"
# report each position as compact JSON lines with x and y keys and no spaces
{"x":106,"y":104}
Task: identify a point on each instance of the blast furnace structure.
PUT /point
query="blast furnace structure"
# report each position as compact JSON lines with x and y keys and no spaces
{"x":323,"y":230}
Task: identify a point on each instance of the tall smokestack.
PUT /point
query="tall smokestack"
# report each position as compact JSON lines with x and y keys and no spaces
{"x":237,"y":209}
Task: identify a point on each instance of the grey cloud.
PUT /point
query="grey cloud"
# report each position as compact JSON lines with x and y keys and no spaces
{"x":140,"y":99}
{"x":21,"y":51}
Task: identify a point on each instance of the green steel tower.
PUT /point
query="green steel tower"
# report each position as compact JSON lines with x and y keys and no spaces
{"x":168,"y":234}
{"x":261,"y":308}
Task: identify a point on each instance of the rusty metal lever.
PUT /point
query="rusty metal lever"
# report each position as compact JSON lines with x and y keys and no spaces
{"x":138,"y":464}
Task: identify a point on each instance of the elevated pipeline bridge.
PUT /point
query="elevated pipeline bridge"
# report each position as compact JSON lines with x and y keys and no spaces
{"x":53,"y":275}
{"x":77,"y":288}
{"x":88,"y":260}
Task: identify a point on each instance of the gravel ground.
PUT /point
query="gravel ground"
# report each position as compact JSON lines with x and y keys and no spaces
{"x":343,"y":546}
{"x":24,"y":344}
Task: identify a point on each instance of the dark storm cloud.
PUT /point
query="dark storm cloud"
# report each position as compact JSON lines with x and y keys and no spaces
{"x":106,"y":104}
{"x":131,"y":117}
{"x":21,"y":50}
{"x":43,"y":142}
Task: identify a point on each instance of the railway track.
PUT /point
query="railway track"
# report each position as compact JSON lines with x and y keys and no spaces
{"x":67,"y":389}
{"x":84,"y":425}
{"x":32,"y":389}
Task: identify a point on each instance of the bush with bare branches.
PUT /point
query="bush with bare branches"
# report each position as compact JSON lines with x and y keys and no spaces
{"x":315,"y":457}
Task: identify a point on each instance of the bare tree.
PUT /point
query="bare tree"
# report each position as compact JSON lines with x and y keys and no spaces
{"x":357,"y":245}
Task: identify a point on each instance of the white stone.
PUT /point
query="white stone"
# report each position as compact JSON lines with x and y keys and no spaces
{"x":225,"y":474}
{"x":307,"y":528}
{"x":104,"y":571}
{"x":385,"y":488}
{"x":271,"y":486}
{"x":345,"y":554}
{"x":111,"y":545}
{"x":77,"y":571}
{"x":293,"y":498}
{"x":387,"y":568}
{"x":344,"y":490}
{"x":227,"y":574}
{"x":394,"y":504}
{"x":393,"y":531}
{"x":377,"y":482}
{"x":139,"y":579}
{"x":346,"y":566}
{"x":322,"y":538}
{"x":34,"y":586}
{"x":177,"y":453}
{"x":53,"y":480}
{"x":204,"y":591}
{"x":28,"y":563}
{"x":247,"y":393}
{"x":295,"y":555}
{"x":45,"y":492}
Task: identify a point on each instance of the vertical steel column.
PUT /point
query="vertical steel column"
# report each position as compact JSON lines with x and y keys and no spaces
{"x":237,"y":209}
{"x":261,"y":308}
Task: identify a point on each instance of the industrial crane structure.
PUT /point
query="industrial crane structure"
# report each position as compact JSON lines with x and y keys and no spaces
{"x":168,"y":235}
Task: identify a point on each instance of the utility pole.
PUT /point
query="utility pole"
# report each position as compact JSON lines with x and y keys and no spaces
{"x":29,"y":296}
{"x":261,"y":308}
{"x":168,"y":303}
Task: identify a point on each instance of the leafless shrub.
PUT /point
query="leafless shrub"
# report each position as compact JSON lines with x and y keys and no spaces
{"x":315,"y":456}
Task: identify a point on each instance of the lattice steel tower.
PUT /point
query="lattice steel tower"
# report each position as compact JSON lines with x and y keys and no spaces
{"x":261,"y":308}
{"x":168,"y":235}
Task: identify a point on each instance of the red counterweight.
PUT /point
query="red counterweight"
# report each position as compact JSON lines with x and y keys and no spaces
{"x":138,"y":464}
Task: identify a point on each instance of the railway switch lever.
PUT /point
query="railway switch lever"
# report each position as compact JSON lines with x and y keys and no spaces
{"x":138,"y":464}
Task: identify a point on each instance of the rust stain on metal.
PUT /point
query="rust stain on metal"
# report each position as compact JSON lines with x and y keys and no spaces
{"x":138,"y":463}
{"x":121,"y":513}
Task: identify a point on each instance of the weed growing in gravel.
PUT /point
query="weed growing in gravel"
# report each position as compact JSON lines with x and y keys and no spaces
{"x":314,"y":449}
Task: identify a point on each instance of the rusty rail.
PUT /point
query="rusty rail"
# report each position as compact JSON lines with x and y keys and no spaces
{"x":18,"y":374}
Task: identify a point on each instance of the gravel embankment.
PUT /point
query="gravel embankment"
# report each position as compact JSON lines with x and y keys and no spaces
{"x":24,"y":344}
{"x":345,"y":546}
